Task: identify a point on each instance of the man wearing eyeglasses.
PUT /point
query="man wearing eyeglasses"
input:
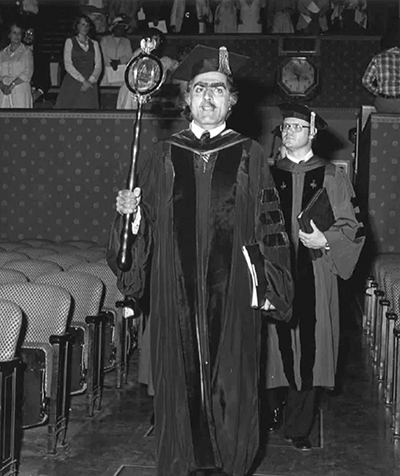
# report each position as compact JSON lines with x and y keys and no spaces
{"x":307,"y":346}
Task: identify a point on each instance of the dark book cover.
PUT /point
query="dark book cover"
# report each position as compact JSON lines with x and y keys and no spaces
{"x":319,"y":210}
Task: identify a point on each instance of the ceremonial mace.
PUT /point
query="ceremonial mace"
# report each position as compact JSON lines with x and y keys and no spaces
{"x":143,"y":77}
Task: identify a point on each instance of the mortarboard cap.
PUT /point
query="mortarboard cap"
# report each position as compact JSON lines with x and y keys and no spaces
{"x":203,"y":59}
{"x":300,"y":111}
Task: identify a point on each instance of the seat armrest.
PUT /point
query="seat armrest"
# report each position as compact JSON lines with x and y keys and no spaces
{"x":101,"y":317}
{"x":131,"y":304}
{"x":60,"y":339}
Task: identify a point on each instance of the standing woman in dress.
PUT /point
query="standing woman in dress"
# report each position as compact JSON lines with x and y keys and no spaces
{"x":16,"y":69}
{"x":82,"y":61}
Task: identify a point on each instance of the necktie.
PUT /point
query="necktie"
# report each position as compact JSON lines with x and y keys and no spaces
{"x":205,"y":138}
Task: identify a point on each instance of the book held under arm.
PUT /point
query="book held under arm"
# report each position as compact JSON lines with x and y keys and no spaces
{"x":269,"y":282}
{"x":319,"y":210}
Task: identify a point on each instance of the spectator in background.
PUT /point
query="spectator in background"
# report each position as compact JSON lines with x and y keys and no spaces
{"x":16,"y":69}
{"x":279,"y":16}
{"x":117,"y":51}
{"x":190,"y":17}
{"x":82,"y":61}
{"x":225,"y":18}
{"x":382,"y":76}
{"x":250,"y":15}
{"x":40,"y":82}
{"x":156,"y":14}
{"x":128,"y":8}
{"x":312,"y":18}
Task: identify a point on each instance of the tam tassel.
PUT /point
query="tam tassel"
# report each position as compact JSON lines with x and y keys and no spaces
{"x":223,"y":62}
{"x":312,"y":122}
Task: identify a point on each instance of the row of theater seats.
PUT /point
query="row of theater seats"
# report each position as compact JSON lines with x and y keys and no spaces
{"x":381,"y":324}
{"x":68,"y":326}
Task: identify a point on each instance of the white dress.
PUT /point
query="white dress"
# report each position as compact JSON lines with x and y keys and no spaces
{"x":14,"y":65}
{"x":114,"y":48}
{"x":225,"y":20}
{"x":250,"y":16}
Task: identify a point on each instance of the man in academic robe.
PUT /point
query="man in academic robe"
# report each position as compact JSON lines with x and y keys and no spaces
{"x":302,"y":355}
{"x":201,"y":196}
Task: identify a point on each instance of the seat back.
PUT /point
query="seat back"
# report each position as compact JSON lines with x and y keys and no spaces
{"x":61,"y":248}
{"x":86,"y":291}
{"x":33,"y":268}
{"x":47,"y":308}
{"x":36,"y":253}
{"x":10,"y":328}
{"x":38,"y":242}
{"x":12,"y":276}
{"x":90,"y":254}
{"x":6,"y":256}
{"x":81,"y":244}
{"x":64,"y":260}
{"x":102,"y":271}
{"x":12,"y":245}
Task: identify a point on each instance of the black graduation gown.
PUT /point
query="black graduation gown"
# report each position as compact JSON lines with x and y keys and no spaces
{"x":204,"y":336}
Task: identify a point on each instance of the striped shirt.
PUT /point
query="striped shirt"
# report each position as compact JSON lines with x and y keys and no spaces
{"x":382,"y":77}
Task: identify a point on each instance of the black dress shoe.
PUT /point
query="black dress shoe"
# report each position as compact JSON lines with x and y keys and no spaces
{"x":301,"y":443}
{"x":275,"y":419}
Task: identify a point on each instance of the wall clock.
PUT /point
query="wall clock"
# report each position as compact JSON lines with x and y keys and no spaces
{"x":298,"y":76}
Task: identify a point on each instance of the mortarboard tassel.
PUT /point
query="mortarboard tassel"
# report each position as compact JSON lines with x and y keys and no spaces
{"x":312,"y":122}
{"x":224,"y":61}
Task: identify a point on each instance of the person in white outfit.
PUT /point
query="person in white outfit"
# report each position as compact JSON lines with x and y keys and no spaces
{"x":16,"y":69}
{"x":117,"y":51}
{"x":251,"y":15}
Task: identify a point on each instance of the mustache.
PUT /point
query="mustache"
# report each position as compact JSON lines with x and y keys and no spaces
{"x":207,"y":102}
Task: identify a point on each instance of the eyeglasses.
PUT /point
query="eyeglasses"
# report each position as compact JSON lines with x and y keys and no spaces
{"x":294,"y":126}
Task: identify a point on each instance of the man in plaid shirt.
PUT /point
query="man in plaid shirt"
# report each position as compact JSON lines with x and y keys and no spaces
{"x":382,"y":76}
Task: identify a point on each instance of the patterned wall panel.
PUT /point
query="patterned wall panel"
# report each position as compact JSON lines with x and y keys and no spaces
{"x":378,"y":181}
{"x":342,"y":62}
{"x":60,"y":172}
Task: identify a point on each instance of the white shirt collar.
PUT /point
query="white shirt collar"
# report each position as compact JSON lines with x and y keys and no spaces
{"x":198,"y":131}
{"x":306,"y":158}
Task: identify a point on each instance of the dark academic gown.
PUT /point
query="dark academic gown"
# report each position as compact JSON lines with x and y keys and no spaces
{"x":205,"y":337}
{"x":303,"y":353}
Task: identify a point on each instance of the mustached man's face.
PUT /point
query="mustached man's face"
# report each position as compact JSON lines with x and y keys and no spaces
{"x":209,"y":99}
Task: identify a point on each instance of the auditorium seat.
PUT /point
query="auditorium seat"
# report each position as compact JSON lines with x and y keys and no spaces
{"x":62,"y":248}
{"x":10,"y":329}
{"x":91,"y":254}
{"x":65,"y":260}
{"x":45,"y":355}
{"x":81,"y":244}
{"x":12,"y":245}
{"x":36,"y":253}
{"x":87,"y":330}
{"x":6,"y":256}
{"x":33,"y":268}
{"x":38,"y":242}
{"x":114,"y":306}
{"x":12,"y":276}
